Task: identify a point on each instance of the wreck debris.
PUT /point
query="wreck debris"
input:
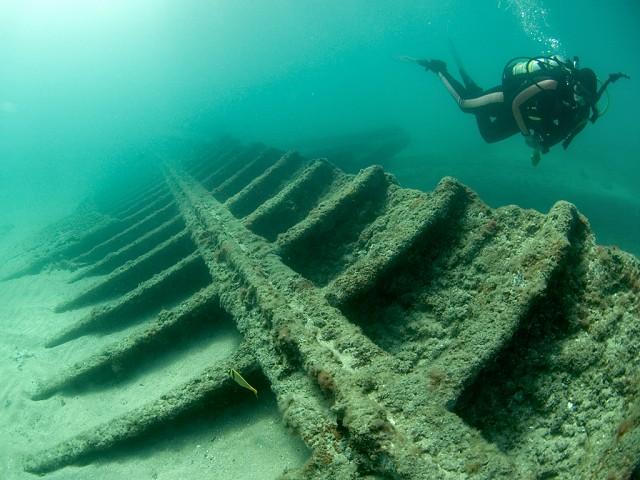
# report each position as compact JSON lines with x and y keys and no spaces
{"x":404,"y":334}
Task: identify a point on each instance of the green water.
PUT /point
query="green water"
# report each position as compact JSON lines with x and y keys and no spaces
{"x":92,"y":88}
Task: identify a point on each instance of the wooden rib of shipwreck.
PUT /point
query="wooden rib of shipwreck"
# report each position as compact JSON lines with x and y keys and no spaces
{"x":405,"y":334}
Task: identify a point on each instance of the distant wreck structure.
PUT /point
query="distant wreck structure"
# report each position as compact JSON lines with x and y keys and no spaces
{"x":404,"y":334}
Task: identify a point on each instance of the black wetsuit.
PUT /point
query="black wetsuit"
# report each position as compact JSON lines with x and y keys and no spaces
{"x":551,"y":114}
{"x":554,"y":115}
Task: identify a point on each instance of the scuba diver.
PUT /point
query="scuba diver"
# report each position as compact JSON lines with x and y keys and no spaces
{"x":547,"y":99}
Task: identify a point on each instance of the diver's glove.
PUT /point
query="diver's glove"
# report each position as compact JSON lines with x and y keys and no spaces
{"x":535,"y":142}
{"x":614,"y":77}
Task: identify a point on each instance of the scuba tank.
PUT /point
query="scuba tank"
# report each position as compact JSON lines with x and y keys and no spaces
{"x":521,"y":72}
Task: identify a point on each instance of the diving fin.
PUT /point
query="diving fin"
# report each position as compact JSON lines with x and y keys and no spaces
{"x":456,"y":56}
{"x":471,"y":86}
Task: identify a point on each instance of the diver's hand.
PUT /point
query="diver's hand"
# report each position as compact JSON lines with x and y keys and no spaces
{"x":614,"y":77}
{"x":535,"y":142}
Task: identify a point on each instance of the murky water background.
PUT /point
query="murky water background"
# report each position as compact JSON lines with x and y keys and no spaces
{"x":93,"y":88}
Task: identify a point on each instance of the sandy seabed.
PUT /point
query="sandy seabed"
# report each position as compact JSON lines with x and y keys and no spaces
{"x":245,"y":441}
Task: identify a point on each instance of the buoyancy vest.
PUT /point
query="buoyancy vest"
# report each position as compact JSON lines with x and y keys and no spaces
{"x":522,"y":72}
